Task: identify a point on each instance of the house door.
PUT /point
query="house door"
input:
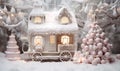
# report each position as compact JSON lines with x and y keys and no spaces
{"x":50,"y":43}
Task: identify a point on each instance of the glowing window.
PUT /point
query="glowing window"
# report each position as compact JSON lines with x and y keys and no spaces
{"x":38,"y":41}
{"x":65,"y":39}
{"x":52,"y":39}
{"x":64,"y":20}
{"x":37,"y":20}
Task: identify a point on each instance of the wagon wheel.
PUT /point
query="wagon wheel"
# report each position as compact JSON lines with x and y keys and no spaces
{"x":37,"y":57}
{"x":65,"y":56}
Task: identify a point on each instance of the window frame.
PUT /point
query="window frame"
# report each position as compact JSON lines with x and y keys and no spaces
{"x":41,"y":41}
{"x":65,"y":38}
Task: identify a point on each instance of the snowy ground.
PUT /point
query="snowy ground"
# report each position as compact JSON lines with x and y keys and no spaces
{"x":6,"y":65}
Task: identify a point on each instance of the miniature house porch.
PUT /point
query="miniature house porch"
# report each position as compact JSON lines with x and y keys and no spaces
{"x":53,"y":42}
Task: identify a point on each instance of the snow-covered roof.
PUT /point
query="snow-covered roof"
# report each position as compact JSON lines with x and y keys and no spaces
{"x":52,"y":24}
{"x":52,"y":27}
{"x":36,"y":12}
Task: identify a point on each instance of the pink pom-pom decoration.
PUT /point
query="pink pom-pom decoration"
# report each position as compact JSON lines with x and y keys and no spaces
{"x":98,"y":60}
{"x":84,"y":40}
{"x":92,"y":35}
{"x":102,"y":35}
{"x":97,"y":40}
{"x":86,"y":53}
{"x":86,"y":48}
{"x":106,"y":41}
{"x":94,"y":47}
{"x":86,"y":61}
{"x":90,"y":47}
{"x":90,"y":59}
{"x":99,"y":45}
{"x":100,"y":53}
{"x":99,"y":30}
{"x":96,"y":26}
{"x":90,"y":41}
{"x":94,"y":31}
{"x":82,"y":45}
{"x":94,"y":62}
{"x":104,"y":49}
{"x":97,"y":35}
{"x":103,"y":62}
{"x":93,"y":53}
{"x":107,"y":54}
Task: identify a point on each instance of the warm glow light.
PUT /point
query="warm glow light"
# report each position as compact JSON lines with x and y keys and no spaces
{"x":38,"y":41}
{"x":1,"y":12}
{"x":37,"y":20}
{"x":65,"y":39}
{"x":52,"y":39}
{"x":64,"y":20}
{"x":0,"y":17}
{"x":12,"y":15}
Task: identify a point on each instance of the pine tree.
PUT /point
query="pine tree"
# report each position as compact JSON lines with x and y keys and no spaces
{"x":95,"y":47}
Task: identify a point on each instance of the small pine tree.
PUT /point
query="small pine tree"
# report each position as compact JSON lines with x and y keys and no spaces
{"x":12,"y":52}
{"x":95,"y":47}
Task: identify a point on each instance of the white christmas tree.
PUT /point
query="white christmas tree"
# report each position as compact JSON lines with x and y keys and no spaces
{"x":95,"y":48}
{"x":12,"y":52}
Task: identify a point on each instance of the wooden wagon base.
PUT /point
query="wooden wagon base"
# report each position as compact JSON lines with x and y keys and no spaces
{"x":46,"y":56}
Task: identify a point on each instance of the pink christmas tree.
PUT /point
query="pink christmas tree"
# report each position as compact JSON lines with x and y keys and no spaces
{"x":95,"y":48}
{"x":12,"y":52}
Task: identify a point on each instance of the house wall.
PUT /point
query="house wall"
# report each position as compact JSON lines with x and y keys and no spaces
{"x":48,"y":46}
